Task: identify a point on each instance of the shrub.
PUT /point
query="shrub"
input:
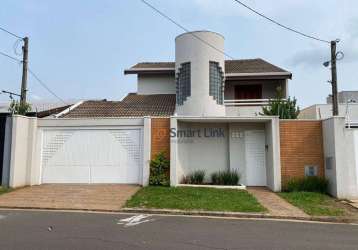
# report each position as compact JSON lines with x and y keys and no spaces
{"x":229,"y":177}
{"x":307,"y":184}
{"x":196,"y":177}
{"x":285,"y":109}
{"x":19,"y":108}
{"x":159,"y":170}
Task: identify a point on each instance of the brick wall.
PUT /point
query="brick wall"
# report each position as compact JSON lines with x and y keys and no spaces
{"x":301,"y":144}
{"x":160,"y":136}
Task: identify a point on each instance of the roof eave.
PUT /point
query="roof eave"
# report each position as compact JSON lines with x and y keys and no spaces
{"x":149,"y":71}
{"x":263,"y":75}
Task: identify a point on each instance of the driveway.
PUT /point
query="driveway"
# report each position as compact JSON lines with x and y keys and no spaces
{"x":100,"y":197}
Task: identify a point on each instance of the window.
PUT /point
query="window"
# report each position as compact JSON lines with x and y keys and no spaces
{"x":216,"y":81}
{"x":311,"y":170}
{"x":183,"y":83}
{"x":252,"y":91}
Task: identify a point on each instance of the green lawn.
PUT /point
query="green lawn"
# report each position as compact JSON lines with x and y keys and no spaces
{"x":316,"y":204}
{"x":195,"y":198}
{"x":4,"y":190}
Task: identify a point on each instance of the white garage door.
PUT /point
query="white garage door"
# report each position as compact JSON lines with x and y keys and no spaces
{"x":92,"y":156}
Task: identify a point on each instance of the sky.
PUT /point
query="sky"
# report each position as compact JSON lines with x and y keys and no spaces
{"x":81,"y":48}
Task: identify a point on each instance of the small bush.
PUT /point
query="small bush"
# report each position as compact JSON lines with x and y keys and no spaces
{"x":307,"y":184}
{"x":196,"y":177}
{"x":18,"y":108}
{"x":159,"y":170}
{"x":229,"y":177}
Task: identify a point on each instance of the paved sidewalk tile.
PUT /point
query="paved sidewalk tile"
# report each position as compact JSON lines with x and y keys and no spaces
{"x":274,"y":203}
{"x":105,"y":197}
{"x":354,"y":203}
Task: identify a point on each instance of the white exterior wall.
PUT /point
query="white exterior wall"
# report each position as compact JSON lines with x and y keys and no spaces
{"x":23,"y":142}
{"x":147,"y":135}
{"x":340,"y":147}
{"x":244,"y":111}
{"x":215,"y":154}
{"x":309,"y":113}
{"x":209,"y":154}
{"x":324,"y":111}
{"x":273,"y":158}
{"x":26,"y":145}
{"x":156,"y":84}
{"x":190,"y":49}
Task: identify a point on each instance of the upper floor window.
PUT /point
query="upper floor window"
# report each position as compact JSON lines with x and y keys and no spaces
{"x":216,"y":81}
{"x":252,"y":91}
{"x":183,"y":83}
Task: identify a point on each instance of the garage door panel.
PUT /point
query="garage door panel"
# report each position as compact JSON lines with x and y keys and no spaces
{"x":61,"y":174}
{"x":113,"y":175}
{"x":106,"y":156}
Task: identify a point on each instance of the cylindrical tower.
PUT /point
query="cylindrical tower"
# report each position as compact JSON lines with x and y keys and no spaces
{"x":199,"y":72}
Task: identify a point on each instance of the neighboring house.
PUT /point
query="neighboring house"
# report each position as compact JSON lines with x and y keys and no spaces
{"x":347,"y":107}
{"x":203,"y":111}
{"x":344,"y":97}
{"x":40,"y":109}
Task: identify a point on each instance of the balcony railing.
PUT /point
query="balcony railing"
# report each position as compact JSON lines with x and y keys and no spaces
{"x":247,"y":102}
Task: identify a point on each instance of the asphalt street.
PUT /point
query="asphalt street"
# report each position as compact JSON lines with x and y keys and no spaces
{"x":71,"y":230}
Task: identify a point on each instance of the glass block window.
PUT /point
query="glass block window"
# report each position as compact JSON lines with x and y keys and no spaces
{"x":216,"y":81}
{"x":183,"y":83}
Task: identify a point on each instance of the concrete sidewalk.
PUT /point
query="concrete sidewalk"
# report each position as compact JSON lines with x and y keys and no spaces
{"x":99,"y":197}
{"x":354,"y":203}
{"x":275,"y":204}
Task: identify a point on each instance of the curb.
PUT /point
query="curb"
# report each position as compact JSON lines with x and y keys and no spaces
{"x":236,"y":215}
{"x":218,"y":214}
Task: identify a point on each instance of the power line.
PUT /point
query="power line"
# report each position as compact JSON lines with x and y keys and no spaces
{"x":11,"y":57}
{"x":10,"y":33}
{"x":279,"y":24}
{"x":45,"y":86}
{"x":36,"y":77}
{"x":185,"y":29}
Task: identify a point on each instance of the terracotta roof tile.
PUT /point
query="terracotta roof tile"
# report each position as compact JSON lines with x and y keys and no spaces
{"x":250,"y":66}
{"x":144,"y":65}
{"x":132,"y":105}
{"x":257,"y":65}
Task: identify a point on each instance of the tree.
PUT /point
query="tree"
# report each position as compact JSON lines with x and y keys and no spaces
{"x":19,"y":109}
{"x":285,"y":109}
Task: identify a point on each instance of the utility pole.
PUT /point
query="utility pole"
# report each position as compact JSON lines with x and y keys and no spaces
{"x":25,"y":50}
{"x":334,"y":78}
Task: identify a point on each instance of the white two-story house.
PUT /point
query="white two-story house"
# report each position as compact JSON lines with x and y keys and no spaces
{"x":202,"y":111}
{"x":216,"y":101}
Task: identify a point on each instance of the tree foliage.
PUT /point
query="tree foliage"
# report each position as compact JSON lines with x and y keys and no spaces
{"x":18,"y":108}
{"x":285,"y":109}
